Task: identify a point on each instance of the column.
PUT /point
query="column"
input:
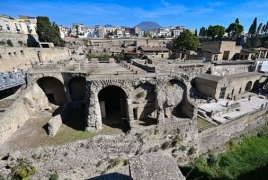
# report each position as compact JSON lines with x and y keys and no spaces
{"x":103,"y":110}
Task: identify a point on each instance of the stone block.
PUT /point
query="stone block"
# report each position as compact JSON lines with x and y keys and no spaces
{"x":54,"y":125}
{"x":156,"y":166}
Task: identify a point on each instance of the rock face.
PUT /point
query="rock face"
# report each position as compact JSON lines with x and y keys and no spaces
{"x":156,"y":166}
{"x":54,"y":125}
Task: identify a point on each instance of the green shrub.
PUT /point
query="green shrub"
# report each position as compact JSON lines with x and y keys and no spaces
{"x":9,"y":42}
{"x":53,"y":176}
{"x":212,"y":159}
{"x":113,"y":163}
{"x":2,"y":43}
{"x":140,"y":95}
{"x":177,"y":141}
{"x":231,"y":144}
{"x":21,"y":43}
{"x":22,"y":170}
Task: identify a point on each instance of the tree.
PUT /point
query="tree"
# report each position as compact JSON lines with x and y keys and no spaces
{"x":264,"y":29}
{"x":215,"y":31}
{"x":234,"y":30}
{"x":202,"y":32}
{"x":48,"y":32}
{"x":186,"y":41}
{"x":237,"y":20}
{"x":247,"y":45}
{"x":259,"y":28}
{"x":253,"y":27}
{"x":195,"y":32}
{"x":255,"y":41}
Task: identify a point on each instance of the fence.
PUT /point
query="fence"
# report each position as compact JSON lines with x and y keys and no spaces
{"x":11,"y":79}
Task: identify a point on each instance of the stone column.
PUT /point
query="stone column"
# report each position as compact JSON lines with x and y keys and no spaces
{"x":130,"y":115}
{"x":94,"y":120}
{"x":265,"y":55}
{"x":103,"y":110}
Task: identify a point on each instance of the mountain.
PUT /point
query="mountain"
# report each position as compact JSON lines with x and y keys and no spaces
{"x":145,"y":25}
{"x":108,"y":25}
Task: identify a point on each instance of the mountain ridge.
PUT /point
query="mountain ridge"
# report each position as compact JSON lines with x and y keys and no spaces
{"x":146,"y":25}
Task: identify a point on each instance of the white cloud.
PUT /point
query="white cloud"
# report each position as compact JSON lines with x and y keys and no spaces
{"x":165,"y":3}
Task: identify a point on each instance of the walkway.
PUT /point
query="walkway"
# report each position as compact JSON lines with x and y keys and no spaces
{"x":11,"y":79}
{"x":235,"y":109}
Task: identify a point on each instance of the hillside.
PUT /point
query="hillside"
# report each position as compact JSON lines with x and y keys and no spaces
{"x":145,"y":25}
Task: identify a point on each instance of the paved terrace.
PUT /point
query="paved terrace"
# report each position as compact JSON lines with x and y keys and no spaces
{"x":99,"y":70}
{"x":223,"y":114}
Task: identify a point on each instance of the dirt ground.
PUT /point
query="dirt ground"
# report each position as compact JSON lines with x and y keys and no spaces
{"x":33,"y":133}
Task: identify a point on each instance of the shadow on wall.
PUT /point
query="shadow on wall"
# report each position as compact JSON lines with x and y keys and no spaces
{"x":111,"y":176}
{"x":31,"y":41}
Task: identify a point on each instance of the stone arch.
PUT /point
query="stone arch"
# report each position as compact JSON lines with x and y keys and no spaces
{"x":248,"y":86}
{"x":77,"y":88}
{"x":53,"y":89}
{"x":114,"y":107}
{"x":35,"y":77}
{"x":126,"y":86}
{"x":144,"y":103}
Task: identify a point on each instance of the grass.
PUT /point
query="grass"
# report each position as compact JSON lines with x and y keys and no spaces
{"x":247,"y":161}
{"x":68,"y":134}
{"x":202,"y":124}
{"x":71,"y":130}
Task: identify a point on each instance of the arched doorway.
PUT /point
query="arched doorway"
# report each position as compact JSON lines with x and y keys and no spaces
{"x":113,"y":107}
{"x":77,"y":88}
{"x":256,"y":85}
{"x":248,"y":86}
{"x":53,"y":89}
{"x":144,"y":104}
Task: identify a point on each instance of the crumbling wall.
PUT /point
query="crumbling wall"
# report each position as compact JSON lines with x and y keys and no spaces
{"x":22,"y":57}
{"x":25,"y":107}
{"x":170,"y":98}
{"x":216,"y":138}
{"x":144,"y":100}
{"x":92,"y":157}
{"x":223,"y":70}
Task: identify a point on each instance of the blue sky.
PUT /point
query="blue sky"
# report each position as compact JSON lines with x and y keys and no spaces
{"x":190,"y":13}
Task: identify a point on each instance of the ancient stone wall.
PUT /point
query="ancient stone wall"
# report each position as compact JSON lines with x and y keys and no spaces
{"x":223,"y":70}
{"x":27,"y":39}
{"x":169,"y":100}
{"x":95,"y":156}
{"x":216,"y":138}
{"x":22,"y":57}
{"x":21,"y":111}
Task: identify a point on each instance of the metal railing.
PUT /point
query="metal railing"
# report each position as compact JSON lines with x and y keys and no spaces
{"x":11,"y":79}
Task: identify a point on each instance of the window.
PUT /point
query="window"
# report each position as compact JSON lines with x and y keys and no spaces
{"x":22,"y":53}
{"x":8,"y":28}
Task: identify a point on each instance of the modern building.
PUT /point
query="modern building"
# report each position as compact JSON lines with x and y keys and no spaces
{"x":20,"y":26}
